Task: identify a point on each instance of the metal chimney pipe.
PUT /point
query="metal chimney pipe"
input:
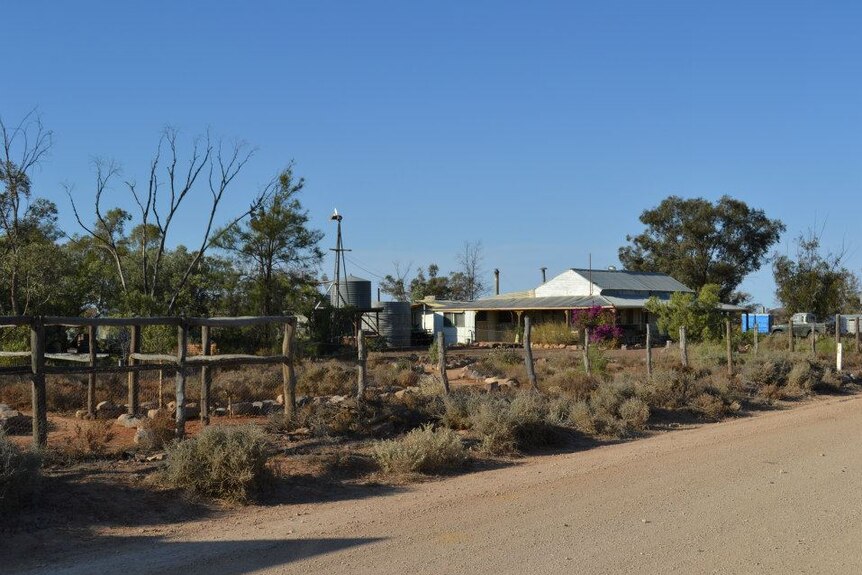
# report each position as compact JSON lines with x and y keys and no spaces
{"x":544,"y":269}
{"x":496,"y":281}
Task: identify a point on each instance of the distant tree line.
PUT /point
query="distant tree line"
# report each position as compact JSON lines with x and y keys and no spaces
{"x":262,"y":260}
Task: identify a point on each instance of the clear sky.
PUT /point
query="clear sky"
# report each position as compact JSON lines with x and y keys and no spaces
{"x":541,"y":129}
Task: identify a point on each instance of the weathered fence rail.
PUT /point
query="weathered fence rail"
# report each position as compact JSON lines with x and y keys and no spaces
{"x":137,"y":361}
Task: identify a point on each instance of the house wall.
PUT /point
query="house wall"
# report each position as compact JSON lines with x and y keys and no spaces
{"x":568,"y":283}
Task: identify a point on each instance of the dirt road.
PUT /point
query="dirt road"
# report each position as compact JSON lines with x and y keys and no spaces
{"x":777,"y":493}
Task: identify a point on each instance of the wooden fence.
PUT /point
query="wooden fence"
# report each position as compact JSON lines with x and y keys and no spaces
{"x":137,"y":362}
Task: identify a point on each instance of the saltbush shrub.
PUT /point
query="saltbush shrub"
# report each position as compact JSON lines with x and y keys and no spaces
{"x":424,"y":450}
{"x":227,"y":463}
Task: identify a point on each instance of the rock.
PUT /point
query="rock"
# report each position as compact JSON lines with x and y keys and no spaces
{"x":13,"y":422}
{"x":172,"y":406}
{"x":491,"y":387}
{"x":406,"y":391}
{"x":280,"y":399}
{"x":301,"y":431}
{"x":127,"y":420}
{"x":157,"y":457}
{"x":107,"y":410}
{"x":148,"y":405}
{"x":489,"y":380}
{"x":144,"y":436}
{"x":512,"y":382}
{"x":81,"y":414}
{"x":337,"y":399}
{"x":154,"y":413}
{"x":241,"y":408}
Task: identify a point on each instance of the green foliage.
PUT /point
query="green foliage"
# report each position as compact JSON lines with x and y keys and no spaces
{"x":815,"y":282}
{"x":424,"y":450}
{"x":276,"y":251}
{"x":554,"y":333}
{"x":20,"y":473}
{"x":700,"y":315}
{"x":223,"y":462}
{"x":699,"y":243}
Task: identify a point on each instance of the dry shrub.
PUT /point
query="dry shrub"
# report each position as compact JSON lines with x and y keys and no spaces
{"x":326,"y":378}
{"x":571,"y":382}
{"x":766,"y":371}
{"x":613,"y":410}
{"x":806,"y":375}
{"x":502,"y":362}
{"x":160,"y":431}
{"x":227,"y":463}
{"x":553,"y":333}
{"x":20,"y":472}
{"x":670,"y":389}
{"x":16,"y":394}
{"x":64,"y":394}
{"x":457,"y":407}
{"x":424,"y":450}
{"x":710,"y":406}
{"x":250,"y":383}
{"x":91,"y":439}
{"x":507,"y":425}
{"x":400,"y":373}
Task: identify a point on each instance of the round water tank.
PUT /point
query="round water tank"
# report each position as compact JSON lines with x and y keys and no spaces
{"x":351,"y":291}
{"x":394,"y":322}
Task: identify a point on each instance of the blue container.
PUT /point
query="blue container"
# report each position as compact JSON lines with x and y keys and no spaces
{"x":762,"y":321}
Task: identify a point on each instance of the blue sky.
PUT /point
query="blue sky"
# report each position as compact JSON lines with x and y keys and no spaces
{"x":542,"y":130}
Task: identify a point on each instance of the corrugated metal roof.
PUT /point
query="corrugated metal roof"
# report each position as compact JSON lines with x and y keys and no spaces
{"x":526,"y":303}
{"x":629,"y":280}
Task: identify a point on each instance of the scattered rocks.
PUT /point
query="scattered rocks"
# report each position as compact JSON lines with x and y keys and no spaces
{"x":127,"y":420}
{"x":491,"y":386}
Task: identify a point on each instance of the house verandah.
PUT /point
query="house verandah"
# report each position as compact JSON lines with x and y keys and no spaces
{"x":501,"y":319}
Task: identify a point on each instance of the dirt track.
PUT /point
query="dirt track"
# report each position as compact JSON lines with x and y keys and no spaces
{"x":777,"y":493}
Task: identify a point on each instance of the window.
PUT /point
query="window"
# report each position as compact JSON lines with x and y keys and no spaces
{"x":453,"y":319}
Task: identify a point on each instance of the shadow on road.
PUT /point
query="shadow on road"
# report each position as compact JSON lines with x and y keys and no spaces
{"x":145,"y":555}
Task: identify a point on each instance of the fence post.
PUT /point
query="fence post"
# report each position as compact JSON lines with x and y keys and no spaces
{"x":648,"y":350}
{"x":362,"y":357}
{"x":756,"y":329}
{"x":206,"y":376}
{"x":813,"y":342}
{"x":528,"y":354}
{"x":857,"y":332}
{"x":441,"y":359}
{"x":727,"y":331}
{"x":587,"y":366}
{"x":683,"y":347}
{"x":134,"y":376}
{"x":182,"y":344}
{"x":91,"y":378}
{"x":288,"y":371}
{"x":790,"y":334}
{"x":37,"y":368}
{"x":837,"y":331}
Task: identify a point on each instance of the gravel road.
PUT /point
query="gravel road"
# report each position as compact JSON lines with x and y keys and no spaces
{"x":780,"y":492}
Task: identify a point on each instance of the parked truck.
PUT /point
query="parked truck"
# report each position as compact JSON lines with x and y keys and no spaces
{"x":804,"y":324}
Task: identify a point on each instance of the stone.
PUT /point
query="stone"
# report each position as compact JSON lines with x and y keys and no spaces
{"x":157,"y":457}
{"x":13,"y":422}
{"x":489,"y":380}
{"x":127,"y":420}
{"x":491,"y":387}
{"x":154,"y":413}
{"x":337,"y":399}
{"x":107,"y":410}
{"x":512,"y":382}
{"x":280,"y":399}
{"x":242,"y":408}
{"x":145,"y":436}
